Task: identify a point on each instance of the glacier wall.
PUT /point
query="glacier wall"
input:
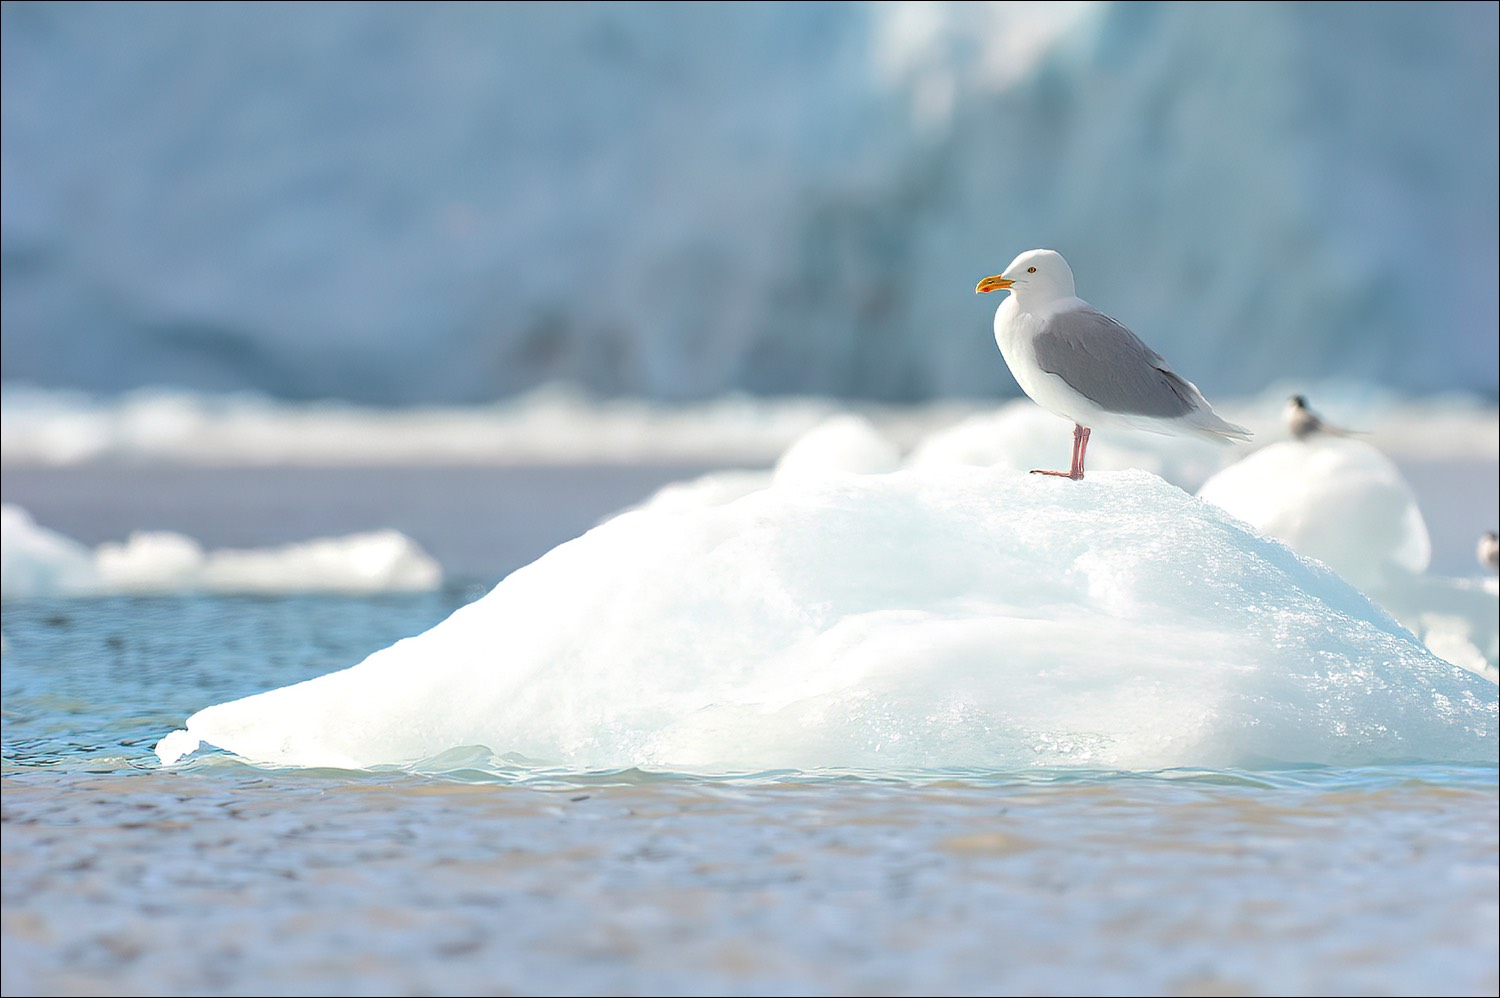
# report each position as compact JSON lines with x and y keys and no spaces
{"x":403,"y":203}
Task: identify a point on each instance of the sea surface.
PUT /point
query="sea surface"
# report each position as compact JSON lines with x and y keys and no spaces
{"x":478,"y":876}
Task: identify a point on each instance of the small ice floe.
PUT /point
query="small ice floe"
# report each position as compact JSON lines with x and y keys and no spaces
{"x":41,"y":562}
{"x":36,"y":561}
{"x":922,"y":619}
{"x":1343,"y":502}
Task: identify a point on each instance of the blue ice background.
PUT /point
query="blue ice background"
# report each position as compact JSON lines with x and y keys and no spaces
{"x":403,"y":202}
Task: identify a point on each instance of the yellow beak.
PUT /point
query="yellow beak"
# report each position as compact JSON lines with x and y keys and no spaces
{"x":995,"y":283}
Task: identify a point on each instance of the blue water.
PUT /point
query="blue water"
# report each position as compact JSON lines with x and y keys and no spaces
{"x":484,"y":875}
{"x":96,"y":683}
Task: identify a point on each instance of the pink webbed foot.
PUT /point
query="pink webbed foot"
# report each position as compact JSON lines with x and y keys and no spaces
{"x":1080,"y":448}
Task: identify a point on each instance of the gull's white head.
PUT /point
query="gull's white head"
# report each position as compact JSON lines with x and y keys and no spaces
{"x":1039,"y":274}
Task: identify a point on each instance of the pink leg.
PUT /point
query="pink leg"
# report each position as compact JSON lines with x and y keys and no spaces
{"x":1080,"y":445}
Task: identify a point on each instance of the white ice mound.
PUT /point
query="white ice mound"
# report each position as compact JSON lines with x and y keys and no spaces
{"x":844,"y":442}
{"x":1335,"y":499}
{"x":1344,"y":503}
{"x":960,"y":617}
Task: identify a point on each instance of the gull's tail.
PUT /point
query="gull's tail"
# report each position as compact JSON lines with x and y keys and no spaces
{"x":1207,"y":423}
{"x":1201,"y":418}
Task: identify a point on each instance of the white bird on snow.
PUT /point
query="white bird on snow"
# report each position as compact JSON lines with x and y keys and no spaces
{"x":1079,"y":363}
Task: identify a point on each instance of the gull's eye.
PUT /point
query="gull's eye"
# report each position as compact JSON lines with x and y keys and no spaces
{"x":1031,"y":270}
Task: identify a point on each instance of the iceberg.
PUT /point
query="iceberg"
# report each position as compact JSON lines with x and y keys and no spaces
{"x":918,"y":620}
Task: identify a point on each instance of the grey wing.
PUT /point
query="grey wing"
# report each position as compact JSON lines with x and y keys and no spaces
{"x":1101,"y":359}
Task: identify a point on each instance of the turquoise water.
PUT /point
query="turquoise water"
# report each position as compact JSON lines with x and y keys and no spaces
{"x":482,"y":875}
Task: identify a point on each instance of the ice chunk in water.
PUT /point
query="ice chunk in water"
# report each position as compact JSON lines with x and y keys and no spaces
{"x":35,"y":560}
{"x":39,"y":562}
{"x":932,"y":618}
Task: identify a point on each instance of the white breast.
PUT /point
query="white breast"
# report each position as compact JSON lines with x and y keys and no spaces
{"x":1015,"y":331}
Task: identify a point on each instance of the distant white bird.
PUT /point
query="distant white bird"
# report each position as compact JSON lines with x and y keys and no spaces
{"x":1489,"y":550}
{"x":1079,"y":363}
{"x":1302,"y":422}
